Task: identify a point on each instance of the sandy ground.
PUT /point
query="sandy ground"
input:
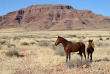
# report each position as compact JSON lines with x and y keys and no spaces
{"x":43,"y":57}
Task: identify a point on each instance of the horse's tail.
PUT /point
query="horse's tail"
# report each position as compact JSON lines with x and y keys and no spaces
{"x":82,"y":47}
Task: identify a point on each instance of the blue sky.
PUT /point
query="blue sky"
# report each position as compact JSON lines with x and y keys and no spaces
{"x":97,"y":6}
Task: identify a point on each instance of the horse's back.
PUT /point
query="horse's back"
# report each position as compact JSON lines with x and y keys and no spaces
{"x":77,"y":46}
{"x":81,"y":44}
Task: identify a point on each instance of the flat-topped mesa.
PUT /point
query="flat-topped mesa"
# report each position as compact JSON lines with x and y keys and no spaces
{"x":43,"y":8}
{"x":53,"y":17}
{"x":49,"y":7}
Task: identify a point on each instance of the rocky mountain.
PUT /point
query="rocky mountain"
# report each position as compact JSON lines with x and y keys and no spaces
{"x":54,"y":17}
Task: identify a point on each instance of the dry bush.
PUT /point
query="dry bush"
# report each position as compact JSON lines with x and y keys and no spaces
{"x":32,"y":43}
{"x":11,"y":45}
{"x":24,"y":43}
{"x":77,"y":63}
{"x":99,"y":60}
{"x":11,"y":53}
{"x":3,"y":42}
{"x":99,"y":44}
{"x":70,"y":36}
{"x":5,"y":37}
{"x":43,"y":43}
{"x":59,"y":50}
{"x":102,"y":44}
{"x":83,"y":37}
{"x":107,"y":38}
{"x":16,"y":38}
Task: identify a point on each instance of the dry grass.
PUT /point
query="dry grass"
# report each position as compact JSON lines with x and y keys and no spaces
{"x":42,"y":57}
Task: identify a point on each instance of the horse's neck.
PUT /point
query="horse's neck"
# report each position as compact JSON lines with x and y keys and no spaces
{"x":90,"y":45}
{"x":64,"y":42}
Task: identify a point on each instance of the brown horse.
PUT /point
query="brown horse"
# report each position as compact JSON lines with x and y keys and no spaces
{"x":90,"y":49}
{"x":71,"y":47}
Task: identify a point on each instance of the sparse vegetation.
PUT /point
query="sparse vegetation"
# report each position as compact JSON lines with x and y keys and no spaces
{"x":24,"y":43}
{"x":43,"y":56}
{"x":59,"y":50}
{"x":11,"y":53}
{"x":44,"y":43}
{"x":32,"y":43}
{"x":70,"y":36}
{"x":16,"y":38}
{"x":11,"y":45}
{"x":3,"y":42}
{"x":77,"y":63}
{"x":83,"y":37}
{"x":107,"y":38}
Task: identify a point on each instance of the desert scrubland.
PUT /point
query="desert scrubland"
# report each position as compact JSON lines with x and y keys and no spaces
{"x":34,"y":52}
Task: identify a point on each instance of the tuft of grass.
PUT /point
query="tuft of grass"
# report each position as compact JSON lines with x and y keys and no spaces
{"x":11,"y":53}
{"x":70,"y":36}
{"x":24,"y":43}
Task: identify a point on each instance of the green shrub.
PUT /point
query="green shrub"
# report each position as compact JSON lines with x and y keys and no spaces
{"x":24,"y":43}
{"x":11,"y":53}
{"x":79,"y":37}
{"x":72,"y":36}
{"x":107,"y":38}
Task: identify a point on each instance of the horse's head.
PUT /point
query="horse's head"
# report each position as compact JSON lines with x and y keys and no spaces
{"x":58,"y":41}
{"x":91,"y":43}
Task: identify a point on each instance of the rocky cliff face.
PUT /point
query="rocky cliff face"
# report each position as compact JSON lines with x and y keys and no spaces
{"x":54,"y":17}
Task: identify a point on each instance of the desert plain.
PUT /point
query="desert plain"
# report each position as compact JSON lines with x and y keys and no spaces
{"x":39,"y":55}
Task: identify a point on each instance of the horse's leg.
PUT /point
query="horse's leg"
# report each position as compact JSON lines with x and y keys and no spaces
{"x":81,"y":56}
{"x":84,"y":55}
{"x":88,"y":55}
{"x":91,"y":56}
{"x":69,"y":56}
{"x":80,"y":53}
{"x":66,"y":57}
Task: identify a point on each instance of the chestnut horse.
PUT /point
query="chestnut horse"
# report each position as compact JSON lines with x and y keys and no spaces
{"x":90,"y":49}
{"x":71,"y":47}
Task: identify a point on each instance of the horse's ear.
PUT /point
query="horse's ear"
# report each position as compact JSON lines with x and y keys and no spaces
{"x":88,"y":40}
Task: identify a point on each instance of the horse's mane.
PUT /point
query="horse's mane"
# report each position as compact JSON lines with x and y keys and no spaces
{"x":63,"y":38}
